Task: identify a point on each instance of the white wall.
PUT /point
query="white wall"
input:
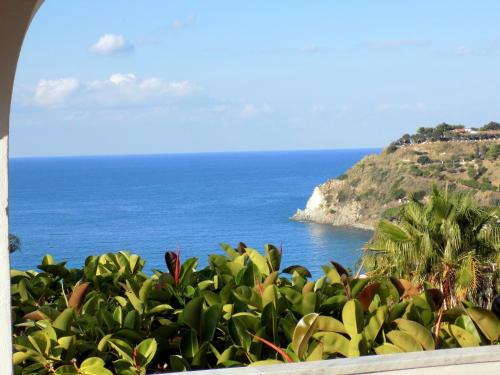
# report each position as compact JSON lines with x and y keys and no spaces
{"x":15,"y":17}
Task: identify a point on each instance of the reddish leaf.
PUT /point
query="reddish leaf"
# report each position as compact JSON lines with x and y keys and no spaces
{"x":241,"y":247}
{"x":135,"y":359}
{"x":409,"y":290}
{"x":340,"y":269}
{"x":259,"y":285}
{"x":171,"y":260}
{"x":178,"y":264}
{"x":277,"y":349}
{"x":437,"y":297}
{"x":76,"y":298}
{"x":34,"y":315}
{"x":367,"y":294}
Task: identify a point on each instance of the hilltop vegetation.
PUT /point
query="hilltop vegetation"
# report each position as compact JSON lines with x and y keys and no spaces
{"x":376,"y":186}
{"x":445,"y":132}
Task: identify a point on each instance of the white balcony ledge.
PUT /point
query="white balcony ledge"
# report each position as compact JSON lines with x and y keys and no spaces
{"x":483,"y":360}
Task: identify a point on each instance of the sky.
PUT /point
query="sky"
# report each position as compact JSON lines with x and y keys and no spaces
{"x":155,"y":76}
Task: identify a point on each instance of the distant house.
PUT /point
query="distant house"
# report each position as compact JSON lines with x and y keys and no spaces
{"x":466,"y":131}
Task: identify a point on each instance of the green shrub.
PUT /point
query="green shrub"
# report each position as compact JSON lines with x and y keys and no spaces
{"x":471,"y":183}
{"x":424,"y":159}
{"x":391,"y":213}
{"x":343,"y":196}
{"x":391,"y":148}
{"x":342,"y":177}
{"x":110,"y":317}
{"x":415,"y":171}
{"x":398,"y":193}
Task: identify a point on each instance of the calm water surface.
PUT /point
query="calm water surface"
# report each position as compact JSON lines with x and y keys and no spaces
{"x":79,"y":206}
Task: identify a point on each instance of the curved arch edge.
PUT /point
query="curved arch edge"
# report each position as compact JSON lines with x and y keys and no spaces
{"x":15,"y":18}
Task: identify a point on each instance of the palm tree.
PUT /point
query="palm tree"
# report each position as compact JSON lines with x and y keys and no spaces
{"x":448,"y":241}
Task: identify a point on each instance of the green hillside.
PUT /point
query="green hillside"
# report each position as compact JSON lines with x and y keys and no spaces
{"x":378,"y":184}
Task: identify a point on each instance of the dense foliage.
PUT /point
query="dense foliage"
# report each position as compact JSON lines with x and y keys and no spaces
{"x":110,"y":317}
{"x":446,"y":240}
{"x":445,"y":132}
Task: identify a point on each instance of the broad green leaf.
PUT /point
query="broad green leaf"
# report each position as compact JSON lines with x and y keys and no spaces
{"x":304,"y":329}
{"x":146,"y":351}
{"x":375,"y":323}
{"x":333,"y":343}
{"x":209,"y":322}
{"x":273,"y":257}
{"x":66,"y":370}
{"x":200,"y":359}
{"x":229,"y":250}
{"x":270,"y":295}
{"x":309,"y":303}
{"x":465,"y":322}
{"x":133,"y":299}
{"x":387,"y":348}
{"x":487,"y":322}
{"x":145,"y":289}
{"x":239,"y":335}
{"x":178,"y":364}
{"x":352,"y":317}
{"x":192,"y":313}
{"x":94,"y":366}
{"x":271,"y":279}
{"x":302,"y":271}
{"x":118,"y":315}
{"x":418,"y":332}
{"x":356,"y":346}
{"x":159,"y":309}
{"x":388,"y":292}
{"x":258,"y":260}
{"x":66,"y":342}
{"x":404,"y":341}
{"x":332,"y":275}
{"x":464,"y":338}
{"x":189,"y":344}
{"x":315,"y":353}
{"x":131,"y":319}
{"x":64,"y":320}
{"x":20,"y":357}
{"x":226,"y":355}
{"x":123,"y":349}
{"x":327,"y":323}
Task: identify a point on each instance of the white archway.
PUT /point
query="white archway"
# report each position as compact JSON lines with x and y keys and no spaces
{"x":15,"y":18}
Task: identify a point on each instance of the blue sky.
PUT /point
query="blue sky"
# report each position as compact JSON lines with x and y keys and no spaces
{"x":134,"y":77}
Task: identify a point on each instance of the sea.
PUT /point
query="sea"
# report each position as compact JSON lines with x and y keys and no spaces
{"x":73,"y":207}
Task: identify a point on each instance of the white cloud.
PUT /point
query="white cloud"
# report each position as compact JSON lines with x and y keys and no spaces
{"x":315,"y":109}
{"x":54,"y":93}
{"x":179,"y":24}
{"x":112,"y":44}
{"x":310,"y":48}
{"x":251,"y":110}
{"x":119,"y":89}
{"x":462,"y":50}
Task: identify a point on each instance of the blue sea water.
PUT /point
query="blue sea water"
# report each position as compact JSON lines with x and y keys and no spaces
{"x":79,"y":206}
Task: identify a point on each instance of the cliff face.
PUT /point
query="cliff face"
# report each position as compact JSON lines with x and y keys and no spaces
{"x":323,"y":210}
{"x":374,"y":188}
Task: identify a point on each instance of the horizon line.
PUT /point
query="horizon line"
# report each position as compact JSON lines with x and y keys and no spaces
{"x":192,"y":153}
